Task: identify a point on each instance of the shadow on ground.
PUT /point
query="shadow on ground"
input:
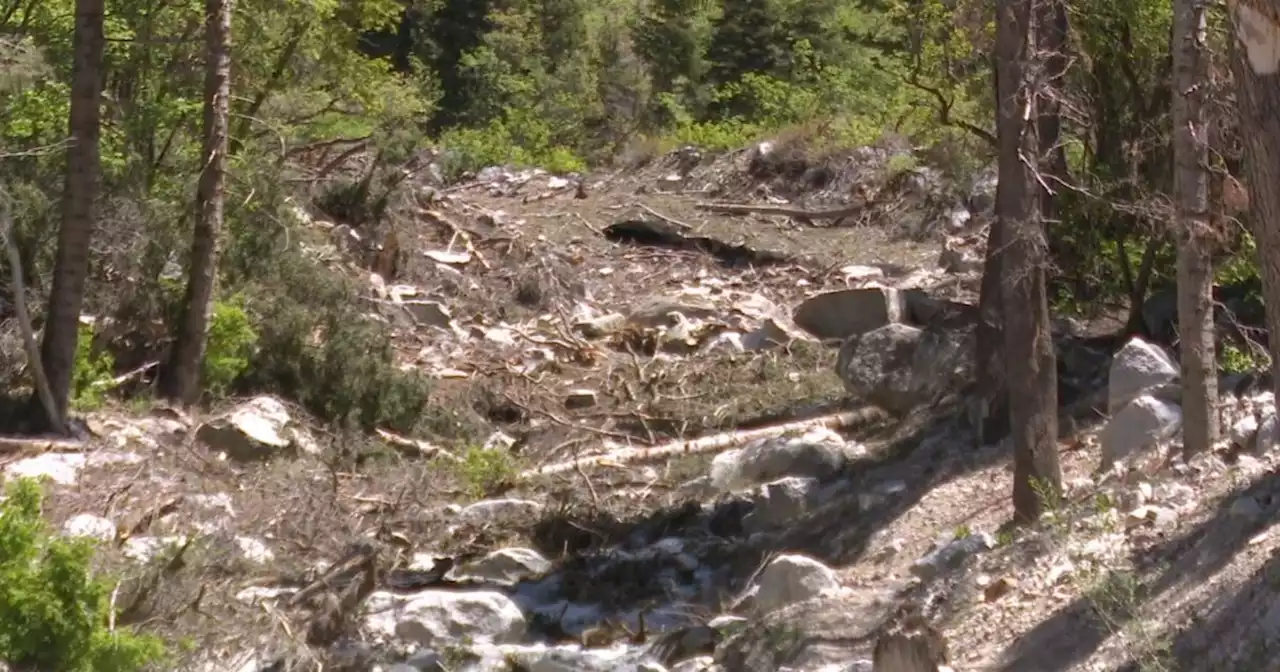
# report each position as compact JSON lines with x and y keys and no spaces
{"x":1076,"y":631}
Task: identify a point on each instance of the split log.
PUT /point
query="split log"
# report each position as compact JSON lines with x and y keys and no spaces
{"x":706,"y":444}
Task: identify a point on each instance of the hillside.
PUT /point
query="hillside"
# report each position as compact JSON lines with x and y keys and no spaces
{"x":733,"y":505}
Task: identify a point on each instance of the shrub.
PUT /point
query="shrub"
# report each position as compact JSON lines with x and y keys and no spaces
{"x":93,"y":369}
{"x":232,"y":341}
{"x":53,"y":613}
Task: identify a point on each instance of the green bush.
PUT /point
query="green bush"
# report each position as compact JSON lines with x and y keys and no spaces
{"x":316,"y":347}
{"x":232,"y":341}
{"x":93,"y":369}
{"x":53,"y":612}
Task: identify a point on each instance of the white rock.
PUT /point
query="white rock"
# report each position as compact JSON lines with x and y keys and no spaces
{"x":699,"y":664}
{"x":1136,"y":368}
{"x":494,"y":509}
{"x":254,"y":550}
{"x":789,"y":579}
{"x":254,"y":430}
{"x":818,"y":453}
{"x":64,"y":468}
{"x":1141,"y":424}
{"x":89,"y":525}
{"x":507,"y":566}
{"x":441,"y":617}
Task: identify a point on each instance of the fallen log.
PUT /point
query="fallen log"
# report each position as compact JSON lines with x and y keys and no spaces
{"x":706,"y":444}
{"x":796,"y":213}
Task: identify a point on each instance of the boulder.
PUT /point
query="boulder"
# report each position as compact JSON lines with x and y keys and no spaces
{"x":1141,"y":424}
{"x":507,"y":566}
{"x":819,"y":453}
{"x":789,"y":579}
{"x":1137,"y":368}
{"x":781,"y":502}
{"x":900,"y":367}
{"x":442,"y":617}
{"x":850,"y":312}
{"x":258,"y":429}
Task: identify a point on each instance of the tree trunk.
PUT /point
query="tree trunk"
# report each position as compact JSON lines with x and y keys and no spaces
{"x":1191,"y":200}
{"x":990,"y":419}
{"x":182,"y":376}
{"x":1257,"y":75}
{"x":1030,"y":365}
{"x":79,"y":208}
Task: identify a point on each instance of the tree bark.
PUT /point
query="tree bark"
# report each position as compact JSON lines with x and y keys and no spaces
{"x":79,"y":208}
{"x":1030,"y":365}
{"x":1191,"y":202}
{"x":1257,"y":76}
{"x":990,"y":419}
{"x":181,"y":380}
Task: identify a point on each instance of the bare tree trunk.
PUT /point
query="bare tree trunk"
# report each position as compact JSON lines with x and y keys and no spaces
{"x":1030,"y":365}
{"x":1257,"y":76}
{"x":1191,"y":200}
{"x":990,"y":419}
{"x":1053,"y":25}
{"x":79,"y":208}
{"x":43,"y":392}
{"x":181,"y":381}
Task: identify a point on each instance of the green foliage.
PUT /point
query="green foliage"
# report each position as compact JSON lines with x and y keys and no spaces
{"x":315,"y":346}
{"x":53,"y":612}
{"x":232,"y":341}
{"x":483,"y":470}
{"x":94,"y":369}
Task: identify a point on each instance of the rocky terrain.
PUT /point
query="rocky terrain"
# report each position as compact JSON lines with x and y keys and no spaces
{"x":717,"y":420}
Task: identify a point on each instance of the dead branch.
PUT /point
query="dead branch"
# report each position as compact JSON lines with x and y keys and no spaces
{"x":706,"y":444}
{"x":670,"y":220}
{"x":414,"y":447}
{"x":24,"y":319}
{"x":798,"y":213}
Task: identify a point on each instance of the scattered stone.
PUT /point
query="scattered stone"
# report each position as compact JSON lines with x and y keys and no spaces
{"x":64,"y":468}
{"x":429,"y":313}
{"x":1246,"y":507}
{"x":1244,"y":432}
{"x":507,"y":566}
{"x":1141,"y":424}
{"x":1155,"y":516}
{"x":254,"y":430}
{"x":441,"y":617}
{"x":581,"y":398}
{"x":1135,"y":369}
{"x":999,"y":588}
{"x":951,"y":554}
{"x":499,"y":509}
{"x":91,"y":526}
{"x":850,"y":312}
{"x":1268,"y":435}
{"x":789,"y":579}
{"x":780,"y":503}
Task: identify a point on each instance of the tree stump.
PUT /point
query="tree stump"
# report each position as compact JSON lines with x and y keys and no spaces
{"x":910,"y":646}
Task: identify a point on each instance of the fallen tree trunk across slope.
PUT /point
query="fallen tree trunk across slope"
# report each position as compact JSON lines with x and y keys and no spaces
{"x":706,"y":444}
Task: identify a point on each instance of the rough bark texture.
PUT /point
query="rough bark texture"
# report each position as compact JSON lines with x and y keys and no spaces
{"x":1191,"y":200}
{"x":990,"y":417}
{"x":1030,"y":365}
{"x":182,"y":377}
{"x":1258,"y":99}
{"x":79,"y":206}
